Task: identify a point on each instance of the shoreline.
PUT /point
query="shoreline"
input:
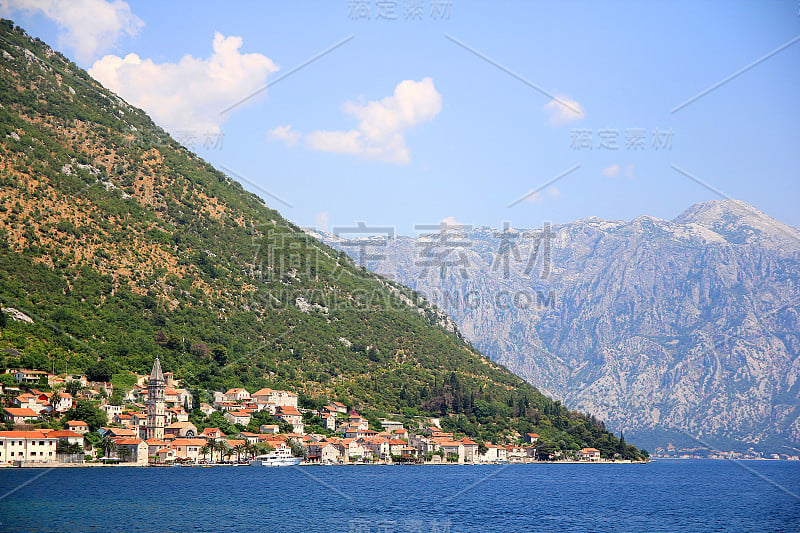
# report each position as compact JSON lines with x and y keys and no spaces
{"x":209,"y":465}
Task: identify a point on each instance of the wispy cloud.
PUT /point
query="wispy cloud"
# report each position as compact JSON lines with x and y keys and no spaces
{"x":89,"y":27}
{"x":451,"y":221}
{"x":285,"y":134}
{"x":613,"y":171}
{"x":562,"y":110}
{"x":187,"y":95}
{"x":383,"y":124}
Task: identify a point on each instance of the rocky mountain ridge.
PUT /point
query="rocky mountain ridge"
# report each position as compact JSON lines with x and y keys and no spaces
{"x":661,"y":328}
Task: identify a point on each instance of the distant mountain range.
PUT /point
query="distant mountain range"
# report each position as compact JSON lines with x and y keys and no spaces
{"x":670,"y":331}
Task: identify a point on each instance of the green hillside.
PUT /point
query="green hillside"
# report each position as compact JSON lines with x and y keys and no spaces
{"x":122,"y":245}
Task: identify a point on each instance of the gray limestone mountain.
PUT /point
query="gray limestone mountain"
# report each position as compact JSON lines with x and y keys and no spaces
{"x":664,"y":329}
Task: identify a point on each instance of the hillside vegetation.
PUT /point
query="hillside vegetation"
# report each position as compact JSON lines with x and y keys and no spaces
{"x":122,"y":245}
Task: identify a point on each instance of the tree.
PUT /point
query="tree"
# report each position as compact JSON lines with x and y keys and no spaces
{"x":107,"y":445}
{"x":546,"y":449}
{"x":240,"y":449}
{"x":261,"y":448}
{"x":88,"y":412}
{"x":298,"y":450}
{"x":212,"y":447}
{"x":482,"y":448}
{"x":220,"y":447}
{"x":117,"y":397}
{"x":73,"y":387}
{"x":3,"y":320}
{"x":100,"y":371}
{"x":64,"y":447}
{"x":204,"y":450}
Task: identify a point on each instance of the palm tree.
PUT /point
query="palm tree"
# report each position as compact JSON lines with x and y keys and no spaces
{"x":220,"y":446}
{"x":107,"y":444}
{"x":240,"y":449}
{"x":249,"y":450}
{"x":204,"y":450}
{"x":229,"y":453}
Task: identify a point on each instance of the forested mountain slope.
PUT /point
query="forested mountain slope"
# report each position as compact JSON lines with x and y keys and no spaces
{"x":121,"y":245}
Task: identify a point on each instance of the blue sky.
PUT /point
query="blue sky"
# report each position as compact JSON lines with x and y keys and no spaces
{"x":414,"y":119}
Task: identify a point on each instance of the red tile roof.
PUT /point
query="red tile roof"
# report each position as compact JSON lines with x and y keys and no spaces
{"x":128,"y":441}
{"x":24,"y":434}
{"x":63,"y":433}
{"x":20,"y":411}
{"x":189,"y":442}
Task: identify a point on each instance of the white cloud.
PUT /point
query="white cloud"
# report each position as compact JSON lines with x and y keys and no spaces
{"x":451,"y":221}
{"x":383,"y":124}
{"x":550,"y":194}
{"x":88,"y":26}
{"x":285,"y":134}
{"x":187,"y":96}
{"x":322,"y":221}
{"x":562,"y":110}
{"x":612,"y":171}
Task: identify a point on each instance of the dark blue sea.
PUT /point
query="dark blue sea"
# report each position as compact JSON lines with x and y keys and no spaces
{"x":661,"y":496}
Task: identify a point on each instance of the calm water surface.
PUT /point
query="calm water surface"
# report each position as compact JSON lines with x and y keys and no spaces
{"x":660,"y":496}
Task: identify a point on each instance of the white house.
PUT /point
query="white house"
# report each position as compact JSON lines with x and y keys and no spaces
{"x":279,"y":398}
{"x":27,"y":447}
{"x":589,"y":454}
{"x":237,"y":417}
{"x":350,"y":448}
{"x":62,"y":402}
{"x":237,"y":395}
{"x":329,"y":421}
{"x":452,"y":447}
{"x":111,"y":410}
{"x":19,"y":415}
{"x":188,"y":448}
{"x":390,"y":425}
{"x":292,"y":416}
{"x":78,"y":426}
{"x":29,"y":376}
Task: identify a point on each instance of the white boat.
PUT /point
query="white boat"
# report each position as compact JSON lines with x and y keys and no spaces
{"x":279,"y":457}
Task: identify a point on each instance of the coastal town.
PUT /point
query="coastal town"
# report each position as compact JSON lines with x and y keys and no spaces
{"x":151,"y":426}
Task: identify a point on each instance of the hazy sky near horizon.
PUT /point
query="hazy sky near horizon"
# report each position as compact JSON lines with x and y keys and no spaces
{"x":409,"y":112}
